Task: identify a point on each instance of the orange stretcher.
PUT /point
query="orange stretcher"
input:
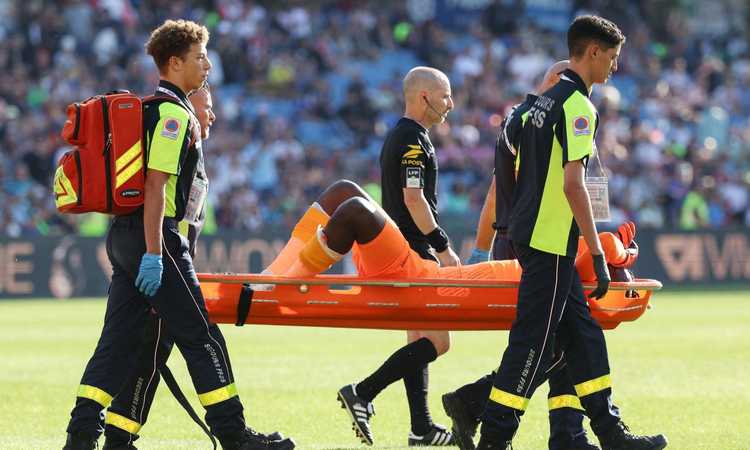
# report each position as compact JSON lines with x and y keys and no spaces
{"x":348,"y":301}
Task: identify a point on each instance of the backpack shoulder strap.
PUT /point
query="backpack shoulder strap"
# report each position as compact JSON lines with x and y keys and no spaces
{"x":173,"y":386}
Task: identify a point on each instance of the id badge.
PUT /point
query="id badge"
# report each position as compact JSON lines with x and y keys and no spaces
{"x":194,"y":206}
{"x":598,"y":188}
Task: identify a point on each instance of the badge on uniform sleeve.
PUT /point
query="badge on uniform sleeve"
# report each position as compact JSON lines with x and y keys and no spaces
{"x":581,"y":125}
{"x":414,"y":151}
{"x":171,"y":128}
{"x":414,"y":177}
{"x":413,"y":156}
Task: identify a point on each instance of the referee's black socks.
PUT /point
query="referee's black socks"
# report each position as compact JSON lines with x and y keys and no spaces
{"x":406,"y":361}
{"x":416,"y":392}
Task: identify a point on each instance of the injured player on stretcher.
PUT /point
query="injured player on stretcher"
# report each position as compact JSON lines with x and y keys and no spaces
{"x":346,"y":218}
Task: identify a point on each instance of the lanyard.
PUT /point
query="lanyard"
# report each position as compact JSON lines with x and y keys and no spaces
{"x":170,"y":93}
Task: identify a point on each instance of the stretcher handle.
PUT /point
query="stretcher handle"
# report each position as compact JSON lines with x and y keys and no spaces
{"x":349,"y":280}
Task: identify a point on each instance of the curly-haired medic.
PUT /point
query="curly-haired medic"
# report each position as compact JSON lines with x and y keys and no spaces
{"x":153,"y":268}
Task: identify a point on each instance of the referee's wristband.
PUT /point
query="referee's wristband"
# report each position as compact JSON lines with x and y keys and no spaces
{"x":438,"y":239}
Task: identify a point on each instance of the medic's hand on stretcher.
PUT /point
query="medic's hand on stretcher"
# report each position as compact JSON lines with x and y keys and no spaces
{"x":602,"y":277}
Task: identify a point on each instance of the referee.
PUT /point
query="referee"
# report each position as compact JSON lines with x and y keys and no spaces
{"x":550,"y":209}
{"x":409,"y":172}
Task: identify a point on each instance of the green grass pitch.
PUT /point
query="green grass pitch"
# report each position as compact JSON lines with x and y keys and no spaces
{"x":682,"y":370}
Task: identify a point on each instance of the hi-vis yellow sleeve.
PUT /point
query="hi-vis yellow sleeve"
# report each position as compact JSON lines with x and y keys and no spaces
{"x":168,"y":140}
{"x":579,"y":116}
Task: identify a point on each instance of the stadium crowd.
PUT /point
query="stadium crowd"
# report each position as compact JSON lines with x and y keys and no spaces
{"x":305,"y":94}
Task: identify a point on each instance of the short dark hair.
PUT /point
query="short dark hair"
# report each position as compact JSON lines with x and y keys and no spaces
{"x":586,"y":29}
{"x":174,"y":38}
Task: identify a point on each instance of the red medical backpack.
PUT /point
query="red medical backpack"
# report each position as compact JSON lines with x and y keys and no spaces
{"x":106,"y":171}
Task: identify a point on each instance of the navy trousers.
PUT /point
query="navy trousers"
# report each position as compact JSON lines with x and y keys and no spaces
{"x":180,"y":314}
{"x":565,"y":411}
{"x":553,"y":320}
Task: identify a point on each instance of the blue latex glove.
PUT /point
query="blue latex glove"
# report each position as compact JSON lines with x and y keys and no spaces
{"x":478,"y":256}
{"x":149,"y":274}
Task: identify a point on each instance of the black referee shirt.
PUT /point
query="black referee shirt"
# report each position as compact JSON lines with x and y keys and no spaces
{"x":559,"y":128}
{"x":408,"y":160}
{"x":506,"y":155}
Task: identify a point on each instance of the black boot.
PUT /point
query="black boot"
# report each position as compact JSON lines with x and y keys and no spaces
{"x":252,"y":440}
{"x":111,"y":446}
{"x":566,"y":430}
{"x":488,"y":444}
{"x":581,"y":443}
{"x":113,"y":443}
{"x":620,"y":438}
{"x":465,"y":425}
{"x":80,"y":441}
{"x":118,"y":439}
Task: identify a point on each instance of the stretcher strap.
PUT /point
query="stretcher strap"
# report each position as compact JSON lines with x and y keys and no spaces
{"x":244,"y":304}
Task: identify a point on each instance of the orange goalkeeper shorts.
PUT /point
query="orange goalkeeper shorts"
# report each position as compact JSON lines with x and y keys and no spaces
{"x":389,"y":256}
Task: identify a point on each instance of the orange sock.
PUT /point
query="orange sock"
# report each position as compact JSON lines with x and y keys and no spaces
{"x":308,"y":224}
{"x":314,"y":258}
{"x":302,"y":232}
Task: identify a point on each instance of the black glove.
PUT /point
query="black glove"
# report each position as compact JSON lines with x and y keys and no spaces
{"x":502,"y":248}
{"x":602,"y":277}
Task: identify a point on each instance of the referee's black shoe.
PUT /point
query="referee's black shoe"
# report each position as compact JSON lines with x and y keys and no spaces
{"x":360,"y":411}
{"x":620,"y":438}
{"x":465,"y":425}
{"x":80,"y":441}
{"x":438,"y":436}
